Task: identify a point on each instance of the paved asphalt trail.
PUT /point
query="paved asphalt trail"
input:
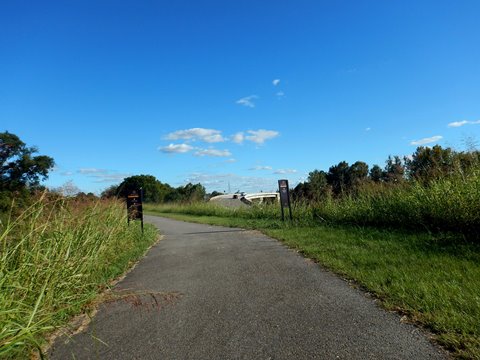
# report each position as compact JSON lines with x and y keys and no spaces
{"x":242,"y":296}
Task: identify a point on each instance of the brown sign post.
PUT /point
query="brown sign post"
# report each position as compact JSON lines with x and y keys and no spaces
{"x":284,"y":197}
{"x":134,"y":206}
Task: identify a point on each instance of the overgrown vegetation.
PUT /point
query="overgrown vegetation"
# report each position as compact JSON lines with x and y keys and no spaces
{"x":54,"y":258}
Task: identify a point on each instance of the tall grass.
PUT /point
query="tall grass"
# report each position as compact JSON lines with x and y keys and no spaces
{"x":54,"y":258}
{"x":450,"y":204}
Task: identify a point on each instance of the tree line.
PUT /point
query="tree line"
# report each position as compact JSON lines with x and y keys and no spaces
{"x":424,"y":166}
{"x":22,"y":170}
{"x":154,"y":191}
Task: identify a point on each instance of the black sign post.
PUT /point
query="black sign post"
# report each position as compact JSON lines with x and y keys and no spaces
{"x":284,"y":198}
{"x":134,"y":206}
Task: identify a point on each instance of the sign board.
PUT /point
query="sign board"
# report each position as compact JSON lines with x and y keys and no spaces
{"x":134,"y":206}
{"x":284,"y":197}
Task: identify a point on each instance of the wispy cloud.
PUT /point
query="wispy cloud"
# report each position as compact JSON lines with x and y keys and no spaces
{"x":259,"y":167}
{"x":194,"y":134}
{"x":110,"y":178}
{"x":426,"y":140}
{"x":238,"y":137}
{"x":102,"y":175}
{"x":247,"y":101}
{"x":280,"y":94}
{"x":285,"y":171}
{"x":368,"y":129}
{"x":260,"y":136}
{"x":66,"y":173}
{"x":213,"y":152}
{"x":463,"y":122}
{"x":176,"y":149}
{"x":275,"y":82}
{"x":90,"y":171}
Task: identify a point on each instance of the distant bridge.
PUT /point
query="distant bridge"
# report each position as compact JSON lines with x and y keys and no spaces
{"x":249,"y":199}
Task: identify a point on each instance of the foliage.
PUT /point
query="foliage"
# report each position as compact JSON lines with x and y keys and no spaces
{"x":18,"y":167}
{"x":188,"y":193}
{"x":153,"y":190}
{"x":54,"y":258}
{"x":20,"y":171}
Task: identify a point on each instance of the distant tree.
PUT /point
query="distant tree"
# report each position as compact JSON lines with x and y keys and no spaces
{"x":376,"y":173}
{"x":338,"y":177}
{"x":465,"y":162}
{"x":428,"y":164}
{"x":110,"y":192}
{"x":318,"y":187}
{"x":68,"y":189}
{"x":191,"y":193}
{"x":19,"y":168}
{"x":357,"y":173}
{"x":302,"y":192}
{"x":394,"y":170}
{"x":153,"y":190}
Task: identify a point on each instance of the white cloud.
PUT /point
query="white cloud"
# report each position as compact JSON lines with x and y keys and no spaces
{"x":260,"y":136}
{"x":259,"y":167}
{"x":110,"y":178}
{"x":213,"y":152}
{"x":247,"y":101}
{"x":457,"y":123}
{"x":102,"y":175}
{"x":275,"y":82}
{"x":194,"y":134}
{"x":238,"y":138}
{"x":368,"y":129}
{"x":66,"y":173}
{"x":426,"y":140}
{"x":280,"y":94}
{"x":285,"y":171}
{"x":231,"y":161}
{"x":89,"y":171}
{"x":463,"y":122}
{"x":176,"y":149}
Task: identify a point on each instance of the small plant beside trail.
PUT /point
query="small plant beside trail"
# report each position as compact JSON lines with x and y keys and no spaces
{"x":54,"y":259}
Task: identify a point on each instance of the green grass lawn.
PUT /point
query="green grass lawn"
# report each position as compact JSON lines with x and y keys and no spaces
{"x":434,"y":281}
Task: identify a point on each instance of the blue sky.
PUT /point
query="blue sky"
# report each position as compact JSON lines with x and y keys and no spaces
{"x":240,"y":93}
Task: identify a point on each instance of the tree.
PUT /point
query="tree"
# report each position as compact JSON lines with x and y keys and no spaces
{"x":19,"y":168}
{"x":191,"y":193}
{"x":110,"y":192}
{"x":302,"y":192}
{"x":394,"y":170}
{"x":427,"y":164}
{"x":357,"y":173}
{"x":376,"y":173}
{"x":317,"y":188}
{"x":153,"y":190}
{"x":338,"y":177}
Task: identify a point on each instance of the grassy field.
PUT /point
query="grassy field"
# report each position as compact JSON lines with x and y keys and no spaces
{"x":55,"y":258}
{"x":432,"y":279}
